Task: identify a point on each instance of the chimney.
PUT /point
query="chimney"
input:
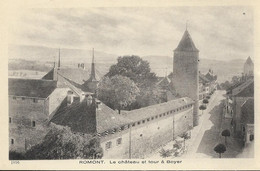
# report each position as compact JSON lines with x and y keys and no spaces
{"x":70,"y":97}
{"x":89,"y":99}
{"x":82,"y":96}
{"x":98,"y":103}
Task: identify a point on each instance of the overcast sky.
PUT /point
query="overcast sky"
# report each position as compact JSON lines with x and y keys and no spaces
{"x":218,"y":32}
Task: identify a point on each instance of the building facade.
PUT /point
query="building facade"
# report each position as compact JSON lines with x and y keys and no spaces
{"x":186,"y":73}
{"x":31,"y":105}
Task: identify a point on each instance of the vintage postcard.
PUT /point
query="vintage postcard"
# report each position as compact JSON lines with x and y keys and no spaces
{"x":116,"y":86}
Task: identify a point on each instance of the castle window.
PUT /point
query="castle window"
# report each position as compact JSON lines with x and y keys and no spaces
{"x":12,"y":141}
{"x":35,"y":100}
{"x":251,"y":137}
{"x":108,"y":145}
{"x":185,"y":116}
{"x":33,"y":124}
{"x":160,"y":115}
{"x":14,"y":97}
{"x":138,"y":123}
{"x":156,"y":116}
{"x":122,"y":127}
{"x":141,"y":135}
{"x":152,"y":118}
{"x":148,"y":119}
{"x":133,"y":124}
{"x":143,"y":121}
{"x":164,"y":114}
{"x":119,"y":141}
{"x":10,"y":120}
{"x":23,"y":98}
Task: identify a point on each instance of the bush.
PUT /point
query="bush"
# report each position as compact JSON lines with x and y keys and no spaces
{"x":16,"y":156}
{"x":165,"y":153}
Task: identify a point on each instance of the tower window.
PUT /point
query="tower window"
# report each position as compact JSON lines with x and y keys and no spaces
{"x":23,"y":98}
{"x":14,"y":97}
{"x":35,"y":100}
{"x":10,"y":120}
{"x":143,"y":121}
{"x":251,"y":137}
{"x":33,"y":124}
{"x":12,"y":141}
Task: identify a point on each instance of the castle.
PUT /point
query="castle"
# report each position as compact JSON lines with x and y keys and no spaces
{"x":64,"y":98}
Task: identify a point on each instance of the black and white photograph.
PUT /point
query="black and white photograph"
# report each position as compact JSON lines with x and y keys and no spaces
{"x":148,"y":83}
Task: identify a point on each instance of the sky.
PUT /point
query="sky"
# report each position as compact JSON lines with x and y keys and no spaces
{"x":222,"y":33}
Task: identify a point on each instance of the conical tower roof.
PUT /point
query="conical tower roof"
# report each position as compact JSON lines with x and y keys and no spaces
{"x":249,"y":61}
{"x":186,"y":43}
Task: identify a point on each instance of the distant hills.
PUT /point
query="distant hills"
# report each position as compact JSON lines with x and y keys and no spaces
{"x":42,"y":59}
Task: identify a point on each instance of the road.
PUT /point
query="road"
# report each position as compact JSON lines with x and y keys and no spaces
{"x":207,"y":134}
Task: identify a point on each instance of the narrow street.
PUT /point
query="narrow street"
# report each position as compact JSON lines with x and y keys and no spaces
{"x":208,"y":132}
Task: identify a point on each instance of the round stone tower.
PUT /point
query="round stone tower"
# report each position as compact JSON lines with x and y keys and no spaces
{"x":186,"y":73}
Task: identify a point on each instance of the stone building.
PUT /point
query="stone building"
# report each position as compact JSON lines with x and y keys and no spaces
{"x":186,"y":73}
{"x":249,"y":67}
{"x":31,"y":105}
{"x":247,"y":121}
{"x":240,"y":94}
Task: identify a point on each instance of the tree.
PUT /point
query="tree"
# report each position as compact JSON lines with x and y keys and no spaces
{"x":202,"y":107}
{"x":220,"y":148}
{"x":134,"y":68}
{"x":205,"y":101}
{"x":61,"y":143}
{"x":117,"y":92}
{"x":165,"y":153}
{"x":226,"y":133}
{"x":185,"y":136}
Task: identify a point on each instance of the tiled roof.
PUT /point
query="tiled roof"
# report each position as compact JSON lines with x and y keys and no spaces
{"x":81,"y":118}
{"x":244,"y":90}
{"x":142,"y":113}
{"x":31,"y":87}
{"x":203,"y":79}
{"x":77,"y":75}
{"x":186,"y":43}
{"x":247,"y":110}
{"x":49,"y":75}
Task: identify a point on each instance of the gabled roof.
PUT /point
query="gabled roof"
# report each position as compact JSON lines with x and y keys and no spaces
{"x":31,"y":87}
{"x":203,"y":78}
{"x":49,"y":75}
{"x":149,"y":111}
{"x":90,"y":120}
{"x":247,"y":110}
{"x":249,"y":61}
{"x":165,"y":81}
{"x":244,"y":90}
{"x":186,"y":43}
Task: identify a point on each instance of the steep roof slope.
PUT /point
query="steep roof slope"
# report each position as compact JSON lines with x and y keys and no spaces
{"x":31,"y":87}
{"x":186,"y":43}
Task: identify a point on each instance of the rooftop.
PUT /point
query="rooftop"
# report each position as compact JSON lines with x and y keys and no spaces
{"x":82,"y":119}
{"x":249,"y":61}
{"x":186,"y":43}
{"x":245,"y":89}
{"x":31,"y":87}
{"x":142,"y":113}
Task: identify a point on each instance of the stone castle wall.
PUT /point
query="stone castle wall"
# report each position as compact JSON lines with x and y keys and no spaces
{"x":145,"y":136}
